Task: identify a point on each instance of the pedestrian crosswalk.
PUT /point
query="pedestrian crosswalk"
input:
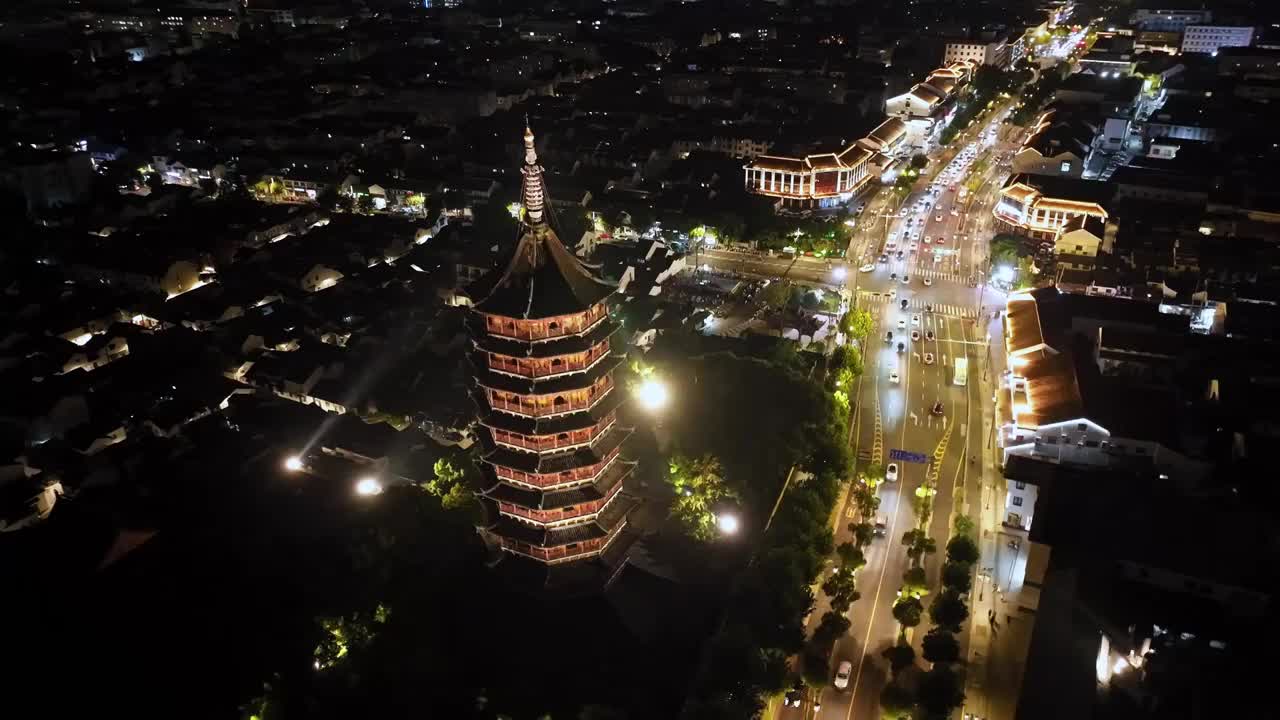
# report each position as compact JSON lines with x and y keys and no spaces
{"x":939,"y":275}
{"x":950,"y":310}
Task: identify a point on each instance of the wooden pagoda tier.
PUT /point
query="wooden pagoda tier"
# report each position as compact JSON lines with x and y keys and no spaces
{"x":543,"y":367}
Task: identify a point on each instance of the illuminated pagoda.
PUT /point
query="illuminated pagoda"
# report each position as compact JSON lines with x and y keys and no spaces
{"x":544,"y":383}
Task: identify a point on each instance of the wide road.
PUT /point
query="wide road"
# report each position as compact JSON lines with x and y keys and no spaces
{"x":950,"y":316}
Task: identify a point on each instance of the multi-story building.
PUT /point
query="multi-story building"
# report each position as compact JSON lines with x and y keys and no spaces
{"x":824,"y":180}
{"x":1168,"y":20}
{"x":1040,"y":207}
{"x":1208,"y":39}
{"x":544,"y":383}
{"x":995,"y":52}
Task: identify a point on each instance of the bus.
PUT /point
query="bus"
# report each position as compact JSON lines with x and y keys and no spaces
{"x":962,"y":370}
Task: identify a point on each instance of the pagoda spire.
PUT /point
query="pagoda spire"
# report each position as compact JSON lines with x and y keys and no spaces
{"x":532,"y":191}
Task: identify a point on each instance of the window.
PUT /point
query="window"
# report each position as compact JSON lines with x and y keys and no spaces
{"x":1020,"y":486}
{"x":1017,"y":501}
{"x":1014,"y":519}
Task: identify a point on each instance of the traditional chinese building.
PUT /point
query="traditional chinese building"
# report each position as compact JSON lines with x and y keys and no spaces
{"x":544,"y":383}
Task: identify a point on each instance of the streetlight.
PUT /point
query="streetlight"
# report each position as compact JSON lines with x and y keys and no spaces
{"x":293,"y":463}
{"x":369,"y":486}
{"x":653,"y":394}
{"x":727,"y":523}
{"x":840,"y":273}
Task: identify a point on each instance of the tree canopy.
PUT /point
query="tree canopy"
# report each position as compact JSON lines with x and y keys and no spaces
{"x":699,"y":486}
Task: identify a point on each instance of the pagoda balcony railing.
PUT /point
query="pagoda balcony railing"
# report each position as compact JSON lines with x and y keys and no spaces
{"x":562,"y":441}
{"x":576,"y":476}
{"x":559,"y":553}
{"x":548,"y":367}
{"x":552,"y":408}
{"x":545,"y":329}
{"x":554,"y":515}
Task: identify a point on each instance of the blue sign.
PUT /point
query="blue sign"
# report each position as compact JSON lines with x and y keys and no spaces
{"x":910,"y":457}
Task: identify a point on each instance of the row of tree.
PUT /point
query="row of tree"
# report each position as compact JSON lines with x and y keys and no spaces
{"x":939,"y":691}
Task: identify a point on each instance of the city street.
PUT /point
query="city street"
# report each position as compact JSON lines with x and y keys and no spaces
{"x":898,"y":390}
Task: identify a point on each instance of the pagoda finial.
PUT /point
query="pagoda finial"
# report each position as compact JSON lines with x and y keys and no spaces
{"x":532,"y":192}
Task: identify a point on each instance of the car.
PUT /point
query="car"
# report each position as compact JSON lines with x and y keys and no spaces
{"x":937,"y":218}
{"x":902,"y":347}
{"x":884,"y":259}
{"x":928,"y":358}
{"x":928,"y":239}
{"x":904,"y":303}
{"x":928,"y":335}
{"x":891,"y":472}
{"x":902,"y":324}
{"x":888,"y":336}
{"x":915,"y":335}
{"x":899,"y":255}
{"x":915,"y":319}
{"x":893,"y":276}
{"x":937,"y":408}
{"x":940,"y":239}
{"x":927,"y":282}
{"x":913,"y":246}
{"x":842,"y":675}
{"x":906,"y":279}
{"x":881,"y":527}
{"x":928,"y":308}
{"x":867,"y":268}
{"x":794,"y":695}
{"x":955,"y":212}
{"x":893,"y":377}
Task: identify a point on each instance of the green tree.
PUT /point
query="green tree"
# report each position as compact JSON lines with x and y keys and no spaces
{"x":851,"y":556}
{"x":857,"y":323}
{"x":962,"y":549}
{"x":896,"y":701}
{"x":940,"y":691}
{"x":840,"y":583}
{"x":908,"y":610}
{"x":948,"y":610}
{"x":863,"y":532}
{"x":918,"y":545}
{"x":963,"y":525}
{"x":364,"y":203}
{"x":698,"y":484}
{"x":832,"y":627}
{"x":957,"y":577}
{"x":919,"y":161}
{"x":940,"y":646}
{"x":914,"y":582}
{"x":449,"y":484}
{"x":776,"y":295}
{"x":900,"y":656}
{"x":816,"y":667}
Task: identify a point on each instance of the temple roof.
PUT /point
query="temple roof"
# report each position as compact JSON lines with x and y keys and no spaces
{"x":542,"y":278}
{"x":533,"y":462}
{"x":609,"y":516}
{"x":550,"y":499}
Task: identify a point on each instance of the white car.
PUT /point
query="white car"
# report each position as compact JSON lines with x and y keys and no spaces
{"x":915,"y":319}
{"x":927,"y":282}
{"x":842,"y":675}
{"x":867,"y":268}
{"x":902,"y":324}
{"x":928,"y":358}
{"x":893,"y":377}
{"x":891,"y":472}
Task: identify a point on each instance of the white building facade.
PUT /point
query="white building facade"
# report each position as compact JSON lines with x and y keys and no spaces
{"x":1208,"y":39}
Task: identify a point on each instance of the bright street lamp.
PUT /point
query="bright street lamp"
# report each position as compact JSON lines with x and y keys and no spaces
{"x":652,"y":394}
{"x":839,"y":273}
{"x":293,"y":463}
{"x":727,"y":523}
{"x":368,"y":487}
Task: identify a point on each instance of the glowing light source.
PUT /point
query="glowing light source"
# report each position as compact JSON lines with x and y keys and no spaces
{"x":727,"y":523}
{"x":653,"y":394}
{"x":839,"y":273}
{"x":368,"y":487}
{"x":293,"y":463}
{"x":1005,"y":273}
